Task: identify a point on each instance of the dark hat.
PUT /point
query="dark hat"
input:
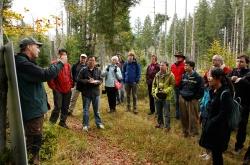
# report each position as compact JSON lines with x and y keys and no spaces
{"x":29,"y":41}
{"x":179,"y":54}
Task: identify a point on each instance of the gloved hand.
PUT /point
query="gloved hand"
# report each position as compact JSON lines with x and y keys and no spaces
{"x":107,"y":69}
{"x":115,"y":70}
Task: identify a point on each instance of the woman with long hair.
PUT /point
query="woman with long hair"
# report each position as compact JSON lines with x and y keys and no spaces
{"x":216,"y":133}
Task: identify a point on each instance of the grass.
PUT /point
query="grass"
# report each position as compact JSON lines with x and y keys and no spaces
{"x":134,"y":134}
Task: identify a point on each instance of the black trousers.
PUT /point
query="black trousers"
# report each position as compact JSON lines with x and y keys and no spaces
{"x":247,"y":154}
{"x":242,"y":130}
{"x":111,"y":93}
{"x":151,"y":99}
{"x":61,"y":103}
{"x":217,"y":157}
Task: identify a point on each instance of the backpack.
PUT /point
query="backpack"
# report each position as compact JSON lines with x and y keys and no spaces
{"x":79,"y":85}
{"x":204,"y":103}
{"x":235,"y":116}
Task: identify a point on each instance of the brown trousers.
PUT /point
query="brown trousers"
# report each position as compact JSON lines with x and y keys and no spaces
{"x":33,"y":132}
{"x":189,"y":116}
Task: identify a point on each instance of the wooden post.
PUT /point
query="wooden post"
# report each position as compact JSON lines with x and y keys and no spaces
{"x":3,"y":89}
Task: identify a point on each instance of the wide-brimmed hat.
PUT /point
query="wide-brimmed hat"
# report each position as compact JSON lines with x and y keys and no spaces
{"x":29,"y":41}
{"x":179,"y":54}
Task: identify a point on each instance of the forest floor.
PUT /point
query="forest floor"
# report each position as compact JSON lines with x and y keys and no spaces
{"x":127,"y":139}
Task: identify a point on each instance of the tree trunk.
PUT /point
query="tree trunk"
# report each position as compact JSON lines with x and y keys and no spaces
{"x":3,"y":88}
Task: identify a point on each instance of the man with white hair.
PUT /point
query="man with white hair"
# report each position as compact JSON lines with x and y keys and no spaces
{"x":112,"y":73}
{"x":217,"y":61}
{"x":81,"y":63}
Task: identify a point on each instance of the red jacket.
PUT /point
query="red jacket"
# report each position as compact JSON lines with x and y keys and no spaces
{"x":63,"y":82}
{"x":178,"y":70}
{"x":226,"y":70}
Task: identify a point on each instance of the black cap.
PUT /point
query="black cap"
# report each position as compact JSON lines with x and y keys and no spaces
{"x":29,"y":41}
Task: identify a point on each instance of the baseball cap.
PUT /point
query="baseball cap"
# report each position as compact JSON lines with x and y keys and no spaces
{"x":83,"y":55}
{"x":29,"y":41}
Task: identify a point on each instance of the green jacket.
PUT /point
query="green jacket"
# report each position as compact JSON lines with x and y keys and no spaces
{"x":165,"y":83}
{"x":30,"y":83}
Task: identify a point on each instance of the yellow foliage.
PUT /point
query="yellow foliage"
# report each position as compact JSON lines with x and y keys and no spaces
{"x":9,"y":14}
{"x":216,"y":48}
{"x":14,"y":26}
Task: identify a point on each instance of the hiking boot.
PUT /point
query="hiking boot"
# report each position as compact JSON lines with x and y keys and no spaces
{"x":111,"y":111}
{"x":85,"y":128}
{"x":202,"y":155}
{"x":167,"y":129}
{"x":159,"y":126}
{"x":150,"y":113}
{"x":70,"y":114}
{"x":246,"y":161}
{"x":185,"y":134}
{"x":135,"y":111}
{"x":206,"y":157}
{"x":63,"y":124}
{"x":35,"y":160}
{"x":100,"y":126}
{"x":237,"y":151}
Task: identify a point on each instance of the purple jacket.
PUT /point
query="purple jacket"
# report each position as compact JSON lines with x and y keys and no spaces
{"x":152,"y":69}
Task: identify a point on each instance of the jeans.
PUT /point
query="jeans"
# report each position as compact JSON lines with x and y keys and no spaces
{"x":151,"y":99}
{"x":96,"y":105}
{"x":121,"y":94}
{"x":177,"y":109}
{"x":61,"y":103}
{"x":163,"y":109}
{"x":133,"y":88}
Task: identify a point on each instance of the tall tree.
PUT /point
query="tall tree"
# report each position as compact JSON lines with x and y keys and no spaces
{"x":221,"y":16}
{"x":147,"y":34}
{"x":202,"y":33}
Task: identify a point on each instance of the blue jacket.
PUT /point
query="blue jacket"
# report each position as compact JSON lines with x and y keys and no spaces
{"x":131,"y":72}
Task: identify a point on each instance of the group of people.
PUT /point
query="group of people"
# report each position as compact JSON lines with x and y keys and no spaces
{"x":67,"y":83}
{"x":217,"y":88}
{"x":179,"y":83}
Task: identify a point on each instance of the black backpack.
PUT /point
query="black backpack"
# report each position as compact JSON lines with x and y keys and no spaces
{"x":79,"y":85}
{"x":235,"y":115}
